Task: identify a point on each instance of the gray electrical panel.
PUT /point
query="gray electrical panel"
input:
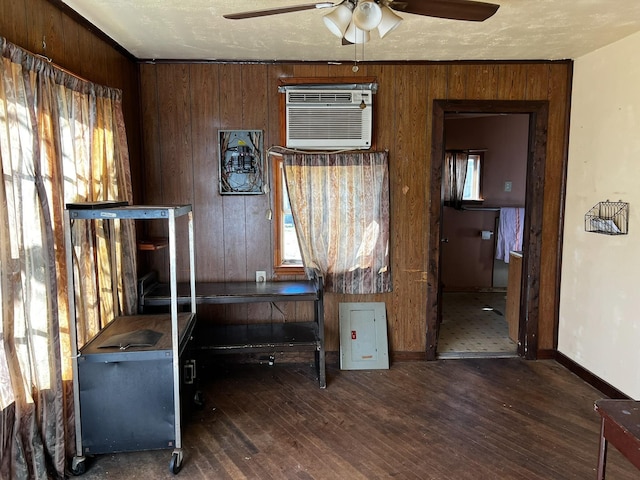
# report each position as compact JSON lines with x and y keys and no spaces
{"x":363,"y":336}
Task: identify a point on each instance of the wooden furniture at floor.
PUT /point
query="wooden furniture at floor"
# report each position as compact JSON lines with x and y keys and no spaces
{"x":620,"y":425}
{"x":513,"y":294}
{"x":244,"y":338}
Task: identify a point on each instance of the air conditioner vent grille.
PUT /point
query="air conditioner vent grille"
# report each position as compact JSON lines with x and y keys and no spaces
{"x":329,"y":119}
{"x":320,"y":97}
{"x":338,"y":123}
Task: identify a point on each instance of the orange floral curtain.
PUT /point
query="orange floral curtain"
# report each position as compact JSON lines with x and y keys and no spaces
{"x":62,"y":139}
{"x":340,"y":206}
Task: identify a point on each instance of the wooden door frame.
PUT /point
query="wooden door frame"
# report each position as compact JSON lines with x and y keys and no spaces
{"x":538,"y":112}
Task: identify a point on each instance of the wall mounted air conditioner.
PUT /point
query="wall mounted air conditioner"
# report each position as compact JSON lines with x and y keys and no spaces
{"x":327,"y":119}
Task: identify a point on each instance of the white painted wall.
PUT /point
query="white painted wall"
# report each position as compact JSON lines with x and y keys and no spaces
{"x":600,"y":291}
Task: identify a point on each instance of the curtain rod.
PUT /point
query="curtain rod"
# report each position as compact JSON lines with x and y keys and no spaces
{"x":47,"y":59}
{"x":55,"y":65}
{"x":467,"y":150}
{"x":484,"y":209}
{"x":488,"y":209}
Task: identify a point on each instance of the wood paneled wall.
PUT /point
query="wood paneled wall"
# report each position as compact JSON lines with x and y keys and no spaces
{"x":51,"y":29}
{"x":184,"y":105}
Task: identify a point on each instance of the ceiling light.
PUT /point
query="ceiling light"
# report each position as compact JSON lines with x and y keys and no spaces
{"x":367,"y":15}
{"x":353,"y":20}
{"x":338,"y":19}
{"x":388,"y":22}
{"x":356,"y":35}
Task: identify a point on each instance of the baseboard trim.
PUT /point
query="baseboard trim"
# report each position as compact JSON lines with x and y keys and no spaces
{"x":546,"y":355}
{"x":408,"y":356}
{"x":593,"y":380}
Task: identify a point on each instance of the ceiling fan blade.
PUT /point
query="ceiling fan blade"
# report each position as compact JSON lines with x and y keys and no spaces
{"x":278,"y":10}
{"x":451,"y":9}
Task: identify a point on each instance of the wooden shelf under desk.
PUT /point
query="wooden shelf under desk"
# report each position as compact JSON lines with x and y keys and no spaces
{"x":152,"y":244}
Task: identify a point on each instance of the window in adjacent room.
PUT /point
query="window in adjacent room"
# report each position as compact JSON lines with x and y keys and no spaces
{"x":462,"y":177}
{"x":472,"y":183}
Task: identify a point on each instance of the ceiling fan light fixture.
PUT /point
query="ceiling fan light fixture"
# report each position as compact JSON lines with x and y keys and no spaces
{"x":338,"y":19}
{"x":367,"y":15}
{"x":356,"y":35}
{"x":389,"y":21}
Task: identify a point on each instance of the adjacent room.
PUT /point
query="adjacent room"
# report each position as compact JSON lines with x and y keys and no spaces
{"x":362,"y":239}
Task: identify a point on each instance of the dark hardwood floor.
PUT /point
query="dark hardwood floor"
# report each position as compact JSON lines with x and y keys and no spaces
{"x":451,"y":419}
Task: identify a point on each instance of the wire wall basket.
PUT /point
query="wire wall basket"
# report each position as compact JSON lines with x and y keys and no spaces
{"x":608,"y":218}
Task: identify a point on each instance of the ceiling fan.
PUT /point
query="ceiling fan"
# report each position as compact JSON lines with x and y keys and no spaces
{"x":352,"y":20}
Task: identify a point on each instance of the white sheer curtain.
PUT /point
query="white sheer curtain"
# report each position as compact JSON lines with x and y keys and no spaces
{"x":340,"y":206}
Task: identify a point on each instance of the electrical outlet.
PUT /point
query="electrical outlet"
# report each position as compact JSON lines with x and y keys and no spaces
{"x":261,"y":276}
{"x":507,"y":186}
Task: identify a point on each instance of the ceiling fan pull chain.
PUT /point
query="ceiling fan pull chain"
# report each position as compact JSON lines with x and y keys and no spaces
{"x":355,"y":67}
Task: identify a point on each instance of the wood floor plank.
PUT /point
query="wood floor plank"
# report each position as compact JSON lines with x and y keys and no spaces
{"x":462,"y":419}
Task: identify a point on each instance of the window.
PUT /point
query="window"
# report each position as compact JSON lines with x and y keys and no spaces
{"x":472,"y":183}
{"x":462,"y":177}
{"x":341,"y":211}
{"x":288,"y":260}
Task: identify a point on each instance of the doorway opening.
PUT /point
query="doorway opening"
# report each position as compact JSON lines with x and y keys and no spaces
{"x":479,"y":234}
{"x":536,"y":114}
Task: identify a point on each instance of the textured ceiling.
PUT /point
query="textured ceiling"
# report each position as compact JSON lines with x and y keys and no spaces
{"x":196,"y":30}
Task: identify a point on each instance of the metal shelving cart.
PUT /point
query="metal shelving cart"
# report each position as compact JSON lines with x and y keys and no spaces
{"x":299,"y":335}
{"x":127,"y":379}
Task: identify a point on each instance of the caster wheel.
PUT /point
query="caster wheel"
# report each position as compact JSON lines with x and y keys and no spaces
{"x":175,"y":465}
{"x":198,"y":399}
{"x":78,"y":466}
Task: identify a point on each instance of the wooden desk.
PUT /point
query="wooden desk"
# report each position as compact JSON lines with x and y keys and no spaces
{"x":620,"y":425}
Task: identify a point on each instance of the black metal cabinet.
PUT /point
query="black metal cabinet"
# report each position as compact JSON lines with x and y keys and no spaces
{"x":126,"y":397}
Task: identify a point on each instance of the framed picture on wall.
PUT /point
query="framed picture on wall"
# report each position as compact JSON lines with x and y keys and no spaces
{"x":241,"y":162}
